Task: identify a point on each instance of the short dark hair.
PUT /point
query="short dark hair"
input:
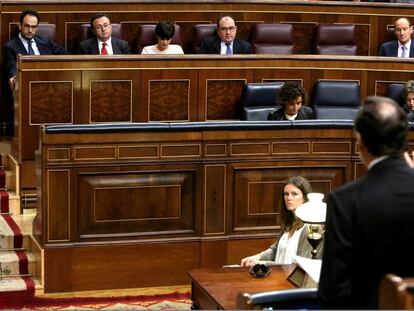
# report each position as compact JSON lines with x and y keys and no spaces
{"x":96,"y":16}
{"x":164,"y":30}
{"x":408,"y":88}
{"x":383,"y":126}
{"x":30,"y":13}
{"x":289,"y":92}
{"x":288,"y":219}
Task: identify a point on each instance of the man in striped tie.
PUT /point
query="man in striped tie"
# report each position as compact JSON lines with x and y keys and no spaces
{"x":403,"y":47}
{"x":103,"y":43}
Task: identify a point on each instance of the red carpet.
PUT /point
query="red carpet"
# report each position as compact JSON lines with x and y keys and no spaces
{"x":173,"y":301}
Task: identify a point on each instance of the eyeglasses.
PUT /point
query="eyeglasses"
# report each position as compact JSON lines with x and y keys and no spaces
{"x":225,"y":29}
{"x":101,"y":27}
{"x":34,"y":27}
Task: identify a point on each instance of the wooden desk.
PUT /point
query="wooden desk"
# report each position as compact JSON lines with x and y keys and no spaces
{"x":213,"y":289}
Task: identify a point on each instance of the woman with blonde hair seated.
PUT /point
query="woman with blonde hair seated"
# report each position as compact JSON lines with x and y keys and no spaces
{"x":164,"y":31}
{"x":293,"y":237}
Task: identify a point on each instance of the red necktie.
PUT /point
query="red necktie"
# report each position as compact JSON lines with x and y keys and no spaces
{"x":103,"y":50}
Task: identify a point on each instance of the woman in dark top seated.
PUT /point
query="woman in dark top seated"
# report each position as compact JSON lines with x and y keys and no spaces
{"x":290,"y":98}
{"x":408,"y":93}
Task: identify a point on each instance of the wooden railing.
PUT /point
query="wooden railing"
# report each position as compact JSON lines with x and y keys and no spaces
{"x":156,"y":200}
{"x":94,"y":89}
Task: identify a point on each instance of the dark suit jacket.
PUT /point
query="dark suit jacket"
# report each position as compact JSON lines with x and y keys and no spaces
{"x":90,"y":46}
{"x":305,"y":113}
{"x":211,"y":45}
{"x":390,"y":48}
{"x":369,"y":232}
{"x":15,"y":46}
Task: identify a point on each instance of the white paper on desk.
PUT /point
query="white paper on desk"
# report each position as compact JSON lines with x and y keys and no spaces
{"x":311,"y":266}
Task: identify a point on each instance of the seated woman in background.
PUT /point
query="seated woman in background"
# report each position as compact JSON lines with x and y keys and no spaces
{"x":290,"y":98}
{"x":293,"y":238}
{"x":164,"y":31}
{"x":408,"y":93}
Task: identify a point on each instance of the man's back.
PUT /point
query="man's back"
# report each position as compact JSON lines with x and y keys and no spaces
{"x":368,"y":234}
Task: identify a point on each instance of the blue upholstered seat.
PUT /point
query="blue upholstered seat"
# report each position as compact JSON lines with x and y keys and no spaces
{"x":395,"y":91}
{"x":336,"y":99}
{"x":258,"y":99}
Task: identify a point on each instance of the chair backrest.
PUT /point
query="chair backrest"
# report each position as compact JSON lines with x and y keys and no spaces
{"x":395,"y":91}
{"x":273,"y":39}
{"x":396,"y":293}
{"x":146,"y":36}
{"x":202,"y":31}
{"x":85,"y":32}
{"x":336,"y":39}
{"x":289,"y":299}
{"x":47,"y":30}
{"x":336,"y":99}
{"x":258,"y":99}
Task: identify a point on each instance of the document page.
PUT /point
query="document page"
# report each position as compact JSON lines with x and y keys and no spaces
{"x":311,"y":266}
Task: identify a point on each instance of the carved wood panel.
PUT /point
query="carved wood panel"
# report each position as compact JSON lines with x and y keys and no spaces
{"x":58,"y":202}
{"x":41,"y":111}
{"x":223,"y":91}
{"x":259,"y":190}
{"x":169,"y":100}
{"x":111,"y":101}
{"x":160,"y":202}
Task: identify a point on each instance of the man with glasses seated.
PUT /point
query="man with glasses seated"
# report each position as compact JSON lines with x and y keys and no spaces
{"x":225,"y":42}
{"x":27,"y":42}
{"x":103,"y":43}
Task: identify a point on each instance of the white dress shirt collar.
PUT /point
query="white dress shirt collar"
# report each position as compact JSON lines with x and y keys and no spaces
{"x":109,"y":48}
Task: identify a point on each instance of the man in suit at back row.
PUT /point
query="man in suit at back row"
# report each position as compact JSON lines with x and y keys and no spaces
{"x":402,"y":47}
{"x":103,"y":43}
{"x":225,"y":42}
{"x":27,"y":42}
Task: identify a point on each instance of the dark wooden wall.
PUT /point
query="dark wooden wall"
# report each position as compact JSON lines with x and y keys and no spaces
{"x":175,"y":88}
{"x":371,"y":20}
{"x":142,"y":208}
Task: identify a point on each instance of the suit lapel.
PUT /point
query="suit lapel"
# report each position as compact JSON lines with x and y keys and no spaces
{"x":43,"y":49}
{"x":95,"y":47}
{"x":412,"y":48}
{"x":217,"y":46}
{"x":236,"y":47}
{"x":395,"y":49}
{"x":115,"y":47}
{"x":20,"y":46}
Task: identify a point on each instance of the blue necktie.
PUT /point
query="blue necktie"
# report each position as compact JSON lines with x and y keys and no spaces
{"x":228,"y":49}
{"x":29,"y":47}
{"x":404,"y":51}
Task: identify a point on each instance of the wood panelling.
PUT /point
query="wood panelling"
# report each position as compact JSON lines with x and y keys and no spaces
{"x":145,"y":203}
{"x":153,"y":214}
{"x":215,"y":199}
{"x":371,"y":20}
{"x":111,"y":101}
{"x":119,"y":266}
{"x":177,"y":89}
{"x":169,"y":100}
{"x":41,"y":94}
{"x":57,"y":202}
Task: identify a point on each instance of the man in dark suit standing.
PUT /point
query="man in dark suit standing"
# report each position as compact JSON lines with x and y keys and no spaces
{"x":402,"y":47}
{"x":27,"y":42}
{"x":225,"y":42}
{"x":369,"y":224}
{"x":103,"y":43}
